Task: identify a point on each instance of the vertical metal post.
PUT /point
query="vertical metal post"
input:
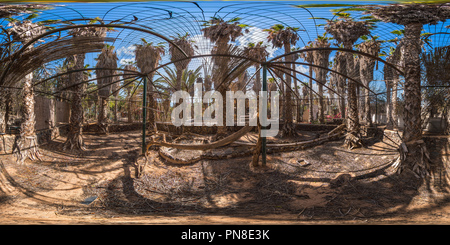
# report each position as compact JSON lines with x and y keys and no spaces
{"x":264,"y":88}
{"x":144,"y":113}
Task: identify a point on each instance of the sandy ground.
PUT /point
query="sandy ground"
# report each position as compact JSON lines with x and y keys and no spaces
{"x":326,"y":184}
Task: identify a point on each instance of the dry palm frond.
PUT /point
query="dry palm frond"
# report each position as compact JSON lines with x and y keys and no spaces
{"x":256,"y":51}
{"x":25,"y":31}
{"x":367,"y":64}
{"x":89,"y":32}
{"x":437,"y":65}
{"x":404,"y":14}
{"x":320,"y":57}
{"x":106,"y":59}
{"x":184,"y":44}
{"x":279,"y":35}
{"x":230,"y":67}
{"x":7,"y":10}
{"x":29,"y":61}
{"x":222,"y":31}
{"x":148,"y":56}
{"x":347,"y":30}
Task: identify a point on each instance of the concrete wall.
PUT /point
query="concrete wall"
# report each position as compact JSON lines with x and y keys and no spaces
{"x":50,"y":112}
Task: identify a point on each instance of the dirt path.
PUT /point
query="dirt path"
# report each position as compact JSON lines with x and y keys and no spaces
{"x":322,"y":185}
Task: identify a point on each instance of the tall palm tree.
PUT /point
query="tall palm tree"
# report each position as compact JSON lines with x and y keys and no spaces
{"x":175,"y":54}
{"x":26,"y":143}
{"x":221,"y":32}
{"x":257,"y":52}
{"x":107,"y":62}
{"x":281,"y":36}
{"x":412,"y":17}
{"x":147,"y":59}
{"x":339,"y":65}
{"x":5,"y":108}
{"x":320,"y":58}
{"x":127,"y":78}
{"x":366,"y":66}
{"x":347,"y":31}
{"x":309,"y":58}
{"x":76,"y":62}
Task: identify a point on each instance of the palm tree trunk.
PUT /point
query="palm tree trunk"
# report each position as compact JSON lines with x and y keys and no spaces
{"x":151,"y":106}
{"x":389,"y":119}
{"x":288,"y":127}
{"x":367,"y":112}
{"x":26,"y":143}
{"x":3,"y":111}
{"x":352,"y":140}
{"x":74,"y":136}
{"x":129,"y":110}
{"x":311,"y":101}
{"x":103,"y":115}
{"x":413,"y":151}
{"x":394,"y":101}
{"x":115,"y":109}
{"x":321,"y":78}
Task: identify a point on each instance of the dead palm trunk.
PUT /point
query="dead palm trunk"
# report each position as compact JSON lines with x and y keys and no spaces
{"x":107,"y":62}
{"x":367,"y":66}
{"x":74,"y":136}
{"x":347,"y":32}
{"x":412,"y":113}
{"x":413,"y":153}
{"x":321,"y":59}
{"x":352,"y":140}
{"x":5,"y":108}
{"x":127,"y":77}
{"x":288,"y":127}
{"x":311,"y":98}
{"x":340,"y":66}
{"x":387,"y":71}
{"x":281,"y":36}
{"x":26,"y":145}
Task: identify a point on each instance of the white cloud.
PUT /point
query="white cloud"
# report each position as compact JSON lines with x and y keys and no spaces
{"x":302,"y":68}
{"x":125,"y":61}
{"x":126,"y":50}
{"x":256,"y":35}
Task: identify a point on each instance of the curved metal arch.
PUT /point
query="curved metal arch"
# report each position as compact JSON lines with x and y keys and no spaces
{"x":342,"y":50}
{"x":289,"y":5}
{"x":305,"y":84}
{"x":35,"y":39}
{"x":86,"y":69}
{"x":328,"y":69}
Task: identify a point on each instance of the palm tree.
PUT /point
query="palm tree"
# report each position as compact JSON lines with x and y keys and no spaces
{"x":309,"y":58}
{"x":107,"y":62}
{"x":320,"y":58}
{"x":175,"y":54}
{"x":220,"y":32}
{"x":413,"y":17}
{"x":147,"y":59}
{"x":339,"y":65}
{"x":281,"y":36}
{"x":26,"y":143}
{"x":127,"y":78}
{"x":76,"y":62}
{"x":347,"y":31}
{"x":366,"y":65}
{"x":257,"y":52}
